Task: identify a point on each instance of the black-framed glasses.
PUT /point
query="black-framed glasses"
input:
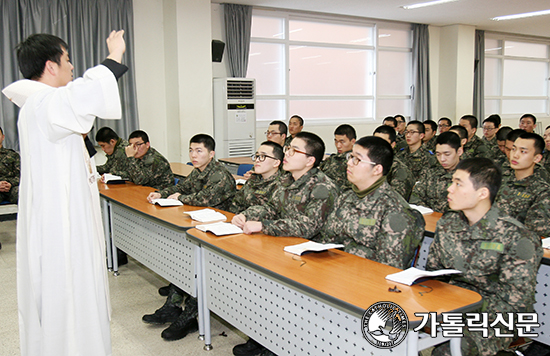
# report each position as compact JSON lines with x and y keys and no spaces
{"x":406,"y":132}
{"x":291,"y":151}
{"x":137,"y":144}
{"x":443,"y":125}
{"x":261,"y":157}
{"x":355,"y":160}
{"x":271,"y":133}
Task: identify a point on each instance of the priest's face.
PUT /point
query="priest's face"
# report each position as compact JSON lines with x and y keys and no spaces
{"x":64,"y":70}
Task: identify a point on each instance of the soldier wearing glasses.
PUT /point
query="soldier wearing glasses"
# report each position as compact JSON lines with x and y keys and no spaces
{"x":277,"y":132}
{"x":415,"y":155}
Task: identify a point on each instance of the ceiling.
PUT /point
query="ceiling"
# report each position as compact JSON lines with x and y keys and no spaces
{"x":477,"y":13}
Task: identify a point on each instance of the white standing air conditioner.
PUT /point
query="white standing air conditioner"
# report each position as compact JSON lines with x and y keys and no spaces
{"x":234,"y":117}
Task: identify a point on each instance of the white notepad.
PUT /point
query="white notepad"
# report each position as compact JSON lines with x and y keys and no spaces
{"x":220,"y":228}
{"x":240,"y":181}
{"x":310,"y":246}
{"x":206,"y":215}
{"x":167,"y":202}
{"x":546,"y":242}
{"x":422,"y":209}
{"x":411,"y":274}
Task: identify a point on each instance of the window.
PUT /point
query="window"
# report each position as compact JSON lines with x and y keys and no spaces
{"x":325,"y":69}
{"x":516,"y":76}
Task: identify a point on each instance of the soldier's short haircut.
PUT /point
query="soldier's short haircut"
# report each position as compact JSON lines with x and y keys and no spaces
{"x":106,"y":134}
{"x":419,"y":126}
{"x":206,"y":140}
{"x":314,"y":146}
{"x":299,"y":119}
{"x":531,"y":116}
{"x":379,"y":151}
{"x":401,"y":116}
{"x":538,"y":141}
{"x":449,"y":122}
{"x":514,"y":134}
{"x":139,"y":134}
{"x":388,"y":130}
{"x":283,"y":129}
{"x":495,"y":119}
{"x":483,"y":174}
{"x":36,"y":50}
{"x":471,"y":119}
{"x":449,"y":138}
{"x":432,"y":124}
{"x":460,"y":131}
{"x":346,"y":130}
{"x":547,"y":127}
{"x":390,"y":119}
{"x":1,"y":131}
{"x":277,"y":150}
{"x":503,"y":132}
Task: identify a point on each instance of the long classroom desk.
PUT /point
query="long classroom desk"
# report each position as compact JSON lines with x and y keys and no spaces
{"x":182,"y":170}
{"x":311,"y":304}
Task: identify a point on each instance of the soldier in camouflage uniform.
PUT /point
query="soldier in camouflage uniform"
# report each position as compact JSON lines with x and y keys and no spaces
{"x":444,"y":124}
{"x":115,"y":151}
{"x":491,"y":126}
{"x":524,"y":195}
{"x":475,"y":147}
{"x":431,"y":190}
{"x":430,"y":130}
{"x":371,"y":220}
{"x":304,"y":198}
{"x":10,"y":171}
{"x":546,"y":154}
{"x":335,"y":165}
{"x":146,"y":166}
{"x":295,"y":125}
{"x":415,"y":156}
{"x":399,"y":177}
{"x":400,"y":132}
{"x":499,"y":258}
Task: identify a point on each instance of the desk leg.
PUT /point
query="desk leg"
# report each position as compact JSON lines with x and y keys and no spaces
{"x":412,"y":343}
{"x":455,"y":346}
{"x":113,"y":248}
{"x":107,"y":231}
{"x":204,"y":313}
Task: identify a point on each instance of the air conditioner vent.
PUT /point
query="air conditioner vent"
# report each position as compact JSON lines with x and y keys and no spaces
{"x":240,"y":89}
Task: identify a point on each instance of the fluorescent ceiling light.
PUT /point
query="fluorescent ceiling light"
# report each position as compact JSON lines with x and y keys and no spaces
{"x":521,"y":16}
{"x":424,"y":4}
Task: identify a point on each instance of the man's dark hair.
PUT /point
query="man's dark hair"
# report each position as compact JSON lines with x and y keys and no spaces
{"x":390,"y":119}
{"x":503,"y":132}
{"x":1,"y":131}
{"x":529,"y":116}
{"x":471,"y":119}
{"x":346,"y":130}
{"x":277,"y":150}
{"x":419,"y":126}
{"x":483,"y":174}
{"x":314,"y":145}
{"x":449,"y":138}
{"x":106,"y":134}
{"x":462,"y":132}
{"x":206,"y":140}
{"x":139,"y":134}
{"x":538,"y":141}
{"x":379,"y":151}
{"x":299,"y":119}
{"x":282,"y":126}
{"x":432,"y":124}
{"x":401,"y":116}
{"x":514,"y":134}
{"x":495,"y":119}
{"x":547,"y":127}
{"x":449,"y":122}
{"x":36,"y":50}
{"x":388,"y":130}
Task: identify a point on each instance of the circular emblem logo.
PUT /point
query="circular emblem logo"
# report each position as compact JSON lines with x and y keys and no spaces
{"x":385,"y":325}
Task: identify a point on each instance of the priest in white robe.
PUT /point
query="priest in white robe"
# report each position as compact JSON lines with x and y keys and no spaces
{"x":62,"y":285}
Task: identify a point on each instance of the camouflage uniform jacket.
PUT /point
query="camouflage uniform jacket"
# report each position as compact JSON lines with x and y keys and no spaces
{"x":152,"y":170}
{"x":527,"y":200}
{"x":335,"y":168}
{"x":492,"y":145}
{"x":499,"y":259}
{"x":546,"y":160}
{"x":256,"y":191}
{"x":430,"y":145}
{"x":539,"y":171}
{"x":288,"y":139}
{"x":381,"y":226}
{"x":117,"y":161}
{"x":500,"y":159}
{"x":476,"y":147}
{"x":297,"y":208}
{"x":10,"y":166}
{"x":400,"y":178}
{"x":418,"y":161}
{"x":431,"y":191}
{"x":214,"y":187}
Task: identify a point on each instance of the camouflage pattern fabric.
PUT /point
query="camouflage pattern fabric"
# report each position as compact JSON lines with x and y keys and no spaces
{"x":117,"y":162}
{"x":492,"y":145}
{"x":430,"y":145}
{"x":256,"y":191}
{"x":476,"y":148}
{"x":297,"y":208}
{"x":10,"y":171}
{"x":400,"y":178}
{"x":538,"y":171}
{"x":214,"y":187}
{"x":335,"y":168}
{"x":418,"y":161}
{"x":546,"y":160}
{"x":499,"y":259}
{"x":381,"y":226}
{"x":152,"y":170}
{"x":431,"y":190}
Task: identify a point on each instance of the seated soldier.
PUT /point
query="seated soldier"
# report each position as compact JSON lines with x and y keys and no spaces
{"x":524,"y":195}
{"x":335,"y":165}
{"x":302,"y":201}
{"x":390,"y":121}
{"x":528,"y":122}
{"x":497,"y":255}
{"x":115,"y":151}
{"x":145,"y":165}
{"x":264,"y":179}
{"x":430,"y":130}
{"x":276,"y":132}
{"x":491,"y":125}
{"x":371,"y":220}
{"x":475,"y":147}
{"x":501,"y":138}
{"x":10,"y":172}
{"x":399,"y":177}
{"x":295,"y":125}
{"x":401,"y":125}
{"x":431,"y":191}
{"x":507,"y":170}
{"x":546,"y":153}
{"x":415,"y":156}
{"x":444,"y":124}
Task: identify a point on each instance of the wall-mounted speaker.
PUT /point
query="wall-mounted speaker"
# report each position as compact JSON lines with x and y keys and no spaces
{"x":217,"y":50}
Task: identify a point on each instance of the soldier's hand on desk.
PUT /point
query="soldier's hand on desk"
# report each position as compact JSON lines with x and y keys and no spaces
{"x":5,"y":186}
{"x":174,"y":196}
{"x":251,"y":227}
{"x":153,"y":196}
{"x":239,"y":220}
